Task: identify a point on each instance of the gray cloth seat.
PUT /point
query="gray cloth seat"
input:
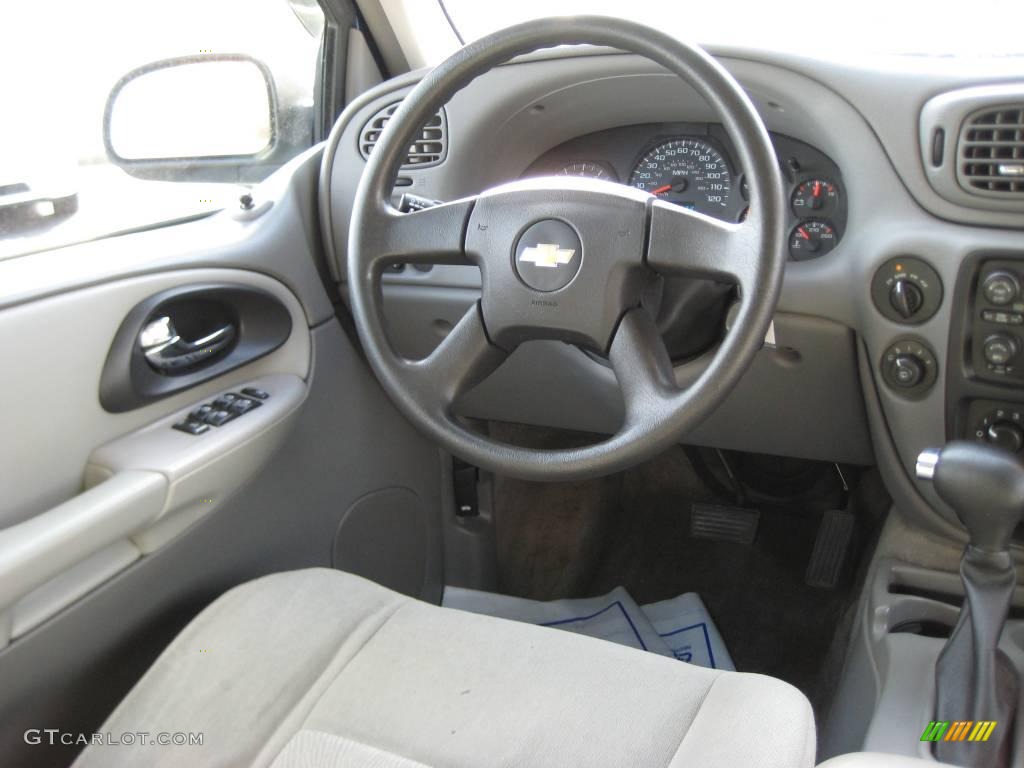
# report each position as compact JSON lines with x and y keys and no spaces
{"x":879,"y":760}
{"x":321,"y":668}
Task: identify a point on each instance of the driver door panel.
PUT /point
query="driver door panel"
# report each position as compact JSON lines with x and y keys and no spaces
{"x":116,"y":528}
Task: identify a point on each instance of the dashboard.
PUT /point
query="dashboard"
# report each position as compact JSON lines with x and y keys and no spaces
{"x":691,"y":165}
{"x":899,"y":324}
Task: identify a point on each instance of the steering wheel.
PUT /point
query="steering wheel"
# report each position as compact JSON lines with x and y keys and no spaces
{"x":567,"y":259}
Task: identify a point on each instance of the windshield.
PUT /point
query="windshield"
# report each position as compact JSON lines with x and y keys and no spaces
{"x":932,"y":27}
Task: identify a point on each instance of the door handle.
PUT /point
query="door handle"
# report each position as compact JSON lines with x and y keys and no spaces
{"x":167,"y":352}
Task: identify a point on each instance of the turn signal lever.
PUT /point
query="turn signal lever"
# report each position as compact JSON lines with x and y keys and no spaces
{"x":974,"y":680}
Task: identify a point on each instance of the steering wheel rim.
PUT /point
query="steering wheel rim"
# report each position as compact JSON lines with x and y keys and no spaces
{"x":491,"y":229}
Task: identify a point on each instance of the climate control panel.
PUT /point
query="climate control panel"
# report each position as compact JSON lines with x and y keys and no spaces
{"x":996,"y":339}
{"x":985,"y":375}
{"x":998,"y":424}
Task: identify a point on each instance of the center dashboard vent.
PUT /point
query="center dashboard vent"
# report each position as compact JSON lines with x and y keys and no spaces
{"x":429,"y":148}
{"x":990,"y":152}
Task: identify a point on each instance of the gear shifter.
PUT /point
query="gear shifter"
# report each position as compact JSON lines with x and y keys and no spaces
{"x":974,"y":680}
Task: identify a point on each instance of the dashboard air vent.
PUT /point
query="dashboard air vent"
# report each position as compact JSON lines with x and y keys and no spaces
{"x":990,"y":153}
{"x":429,"y":148}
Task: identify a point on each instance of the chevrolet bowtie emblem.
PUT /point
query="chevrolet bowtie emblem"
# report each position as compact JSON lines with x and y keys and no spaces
{"x":547,"y":255}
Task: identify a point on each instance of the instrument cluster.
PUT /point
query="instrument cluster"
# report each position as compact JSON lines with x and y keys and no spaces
{"x":690,"y":164}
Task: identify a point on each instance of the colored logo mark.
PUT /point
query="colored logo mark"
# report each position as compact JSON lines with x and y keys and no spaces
{"x":959,"y":730}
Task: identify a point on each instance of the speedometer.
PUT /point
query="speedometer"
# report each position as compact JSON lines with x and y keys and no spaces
{"x":687,"y":172}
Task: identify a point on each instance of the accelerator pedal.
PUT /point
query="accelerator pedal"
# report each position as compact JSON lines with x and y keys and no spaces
{"x":835,"y":533}
{"x":735,"y":524}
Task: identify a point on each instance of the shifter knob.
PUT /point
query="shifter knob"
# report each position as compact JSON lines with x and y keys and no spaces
{"x":974,"y":679}
{"x":983,"y":485}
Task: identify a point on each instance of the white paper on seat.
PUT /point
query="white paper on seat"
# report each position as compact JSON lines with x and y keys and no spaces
{"x":686,"y":627}
{"x":615,"y":616}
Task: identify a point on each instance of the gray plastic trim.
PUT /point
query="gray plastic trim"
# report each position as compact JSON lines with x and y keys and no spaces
{"x":361,"y":73}
{"x":282,"y":242}
{"x":947,"y":112}
{"x":41,"y":548}
{"x":202,"y":470}
{"x":887,"y":682}
{"x":282,"y":519}
{"x":50,"y":399}
{"x":904,"y":663}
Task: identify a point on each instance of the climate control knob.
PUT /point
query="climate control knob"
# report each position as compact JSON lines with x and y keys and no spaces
{"x":907,"y":371}
{"x":1001,"y":288}
{"x":999,"y":349}
{"x":1005,"y":435}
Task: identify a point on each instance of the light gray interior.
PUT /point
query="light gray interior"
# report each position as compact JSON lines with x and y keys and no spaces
{"x":319,"y":661}
{"x":887,"y":685}
{"x":281,"y":520}
{"x":116,"y":530}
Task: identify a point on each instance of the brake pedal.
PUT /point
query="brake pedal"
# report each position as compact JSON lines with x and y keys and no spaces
{"x":835,"y":533}
{"x":735,"y":524}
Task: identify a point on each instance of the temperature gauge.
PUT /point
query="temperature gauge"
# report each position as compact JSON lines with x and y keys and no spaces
{"x":815,"y":197}
{"x":811,"y":239}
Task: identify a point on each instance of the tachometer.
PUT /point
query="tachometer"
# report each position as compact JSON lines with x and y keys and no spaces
{"x":688,"y":172}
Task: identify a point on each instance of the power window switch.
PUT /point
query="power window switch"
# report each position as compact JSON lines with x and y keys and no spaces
{"x":218,"y":418}
{"x":224,"y":401}
{"x":200,"y":413}
{"x":259,"y":394}
{"x":242,"y":405}
{"x":192,"y":427}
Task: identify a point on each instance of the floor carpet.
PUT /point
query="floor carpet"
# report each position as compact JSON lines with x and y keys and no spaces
{"x":632,"y":529}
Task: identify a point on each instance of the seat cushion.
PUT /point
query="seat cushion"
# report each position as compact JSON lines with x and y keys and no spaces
{"x":322,"y":668}
{"x":879,"y":760}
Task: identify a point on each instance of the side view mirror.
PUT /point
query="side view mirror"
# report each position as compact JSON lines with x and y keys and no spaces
{"x":194,"y":118}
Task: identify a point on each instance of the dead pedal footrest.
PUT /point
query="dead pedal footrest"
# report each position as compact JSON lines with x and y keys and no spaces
{"x":711,"y":521}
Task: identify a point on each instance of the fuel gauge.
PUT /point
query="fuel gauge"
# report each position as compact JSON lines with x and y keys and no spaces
{"x":811,"y":239}
{"x":588,"y":169}
{"x":815,"y":197}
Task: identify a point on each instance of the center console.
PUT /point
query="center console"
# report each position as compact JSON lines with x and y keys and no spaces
{"x":886,"y":697}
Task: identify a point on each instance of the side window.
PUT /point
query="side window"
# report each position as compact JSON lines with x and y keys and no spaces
{"x":124,"y":114}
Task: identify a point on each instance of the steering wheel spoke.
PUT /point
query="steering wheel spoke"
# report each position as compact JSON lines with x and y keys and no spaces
{"x":463,"y":359}
{"x":435,"y":235}
{"x":684,"y":242}
{"x":642,"y":367}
